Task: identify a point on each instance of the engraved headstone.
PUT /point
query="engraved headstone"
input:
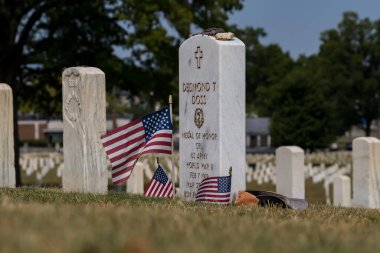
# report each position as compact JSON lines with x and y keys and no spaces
{"x":7,"y":159}
{"x":84,"y":121}
{"x":366,"y":172}
{"x":342,"y":191}
{"x":290,"y":179}
{"x":211,"y":112}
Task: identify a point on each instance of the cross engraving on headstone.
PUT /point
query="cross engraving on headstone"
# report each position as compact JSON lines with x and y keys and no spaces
{"x":198,"y":55}
{"x":211,"y":112}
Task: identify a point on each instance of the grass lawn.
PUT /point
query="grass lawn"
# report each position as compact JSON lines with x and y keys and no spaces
{"x":48,"y":220}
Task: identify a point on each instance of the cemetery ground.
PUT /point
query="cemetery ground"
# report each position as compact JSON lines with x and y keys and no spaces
{"x":49,"y":220}
{"x":45,"y":219}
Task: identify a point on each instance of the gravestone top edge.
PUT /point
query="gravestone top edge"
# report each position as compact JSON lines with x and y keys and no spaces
{"x":365,"y":139}
{"x":234,"y":42}
{"x":293,"y":149}
{"x":76,"y":71}
{"x":4,"y":86}
{"x":342,"y":177}
{"x":374,"y":139}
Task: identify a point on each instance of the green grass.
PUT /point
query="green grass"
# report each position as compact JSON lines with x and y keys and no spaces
{"x":49,"y":220}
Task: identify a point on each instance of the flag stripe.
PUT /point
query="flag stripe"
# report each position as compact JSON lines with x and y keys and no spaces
{"x":148,"y":187}
{"x":122,"y":178}
{"x":124,"y":140}
{"x":124,"y":145}
{"x":214,"y":190}
{"x":158,"y":190}
{"x":120,"y":131}
{"x":155,"y":150}
{"x":155,"y":187}
{"x":214,"y":200}
{"x":120,"y":155}
{"x":168,"y":190}
{"x":159,"y":185}
{"x":131,"y":156}
{"x":212,"y":196}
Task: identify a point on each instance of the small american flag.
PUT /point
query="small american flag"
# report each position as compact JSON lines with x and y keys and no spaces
{"x":159,"y":185}
{"x":214,"y":189}
{"x":124,"y":145}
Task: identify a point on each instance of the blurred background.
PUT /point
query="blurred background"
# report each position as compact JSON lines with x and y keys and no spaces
{"x":312,"y":68}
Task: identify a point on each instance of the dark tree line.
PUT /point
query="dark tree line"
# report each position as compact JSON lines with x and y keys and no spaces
{"x":312,"y":100}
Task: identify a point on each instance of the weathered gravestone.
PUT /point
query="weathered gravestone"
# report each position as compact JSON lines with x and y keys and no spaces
{"x":211,"y":112}
{"x":342,"y":191}
{"x":290,"y":165}
{"x":366,"y":172}
{"x":7,"y":159}
{"x":135,"y":183}
{"x":84,"y":121}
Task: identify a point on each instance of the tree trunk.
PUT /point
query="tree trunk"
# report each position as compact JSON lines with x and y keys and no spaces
{"x":16,"y":138}
{"x":368,"y":128}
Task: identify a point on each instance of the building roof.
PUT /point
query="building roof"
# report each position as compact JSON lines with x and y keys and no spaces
{"x":257,"y":125}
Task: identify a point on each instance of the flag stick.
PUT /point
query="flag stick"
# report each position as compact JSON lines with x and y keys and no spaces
{"x":171,"y":118}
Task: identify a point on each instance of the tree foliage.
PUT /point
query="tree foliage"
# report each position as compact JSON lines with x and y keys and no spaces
{"x":266,"y":65}
{"x":317,"y":98}
{"x":39,"y":39}
{"x":301,"y":113}
{"x":351,"y":61}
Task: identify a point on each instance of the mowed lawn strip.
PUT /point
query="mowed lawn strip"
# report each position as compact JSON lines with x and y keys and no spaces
{"x":49,"y":220}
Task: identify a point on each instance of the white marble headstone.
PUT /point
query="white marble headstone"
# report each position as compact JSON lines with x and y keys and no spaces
{"x":211,"y":112}
{"x":366,"y":172}
{"x":84,"y":121}
{"x":342,"y":191}
{"x":7,"y":158}
{"x":290,"y":179}
{"x":135,"y":183}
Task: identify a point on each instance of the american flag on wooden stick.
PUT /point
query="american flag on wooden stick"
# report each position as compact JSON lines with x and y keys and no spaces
{"x":214,"y":189}
{"x":159,"y":185}
{"x":124,"y":145}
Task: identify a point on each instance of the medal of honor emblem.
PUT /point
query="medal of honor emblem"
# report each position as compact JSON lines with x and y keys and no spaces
{"x":198,"y":117}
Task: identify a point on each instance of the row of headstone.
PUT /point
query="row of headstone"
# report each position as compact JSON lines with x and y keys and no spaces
{"x":265,"y":172}
{"x":290,"y":171}
{"x":261,"y":174}
{"x":366,"y":175}
{"x":366,"y":172}
{"x":212,"y":129}
{"x":41,"y":164}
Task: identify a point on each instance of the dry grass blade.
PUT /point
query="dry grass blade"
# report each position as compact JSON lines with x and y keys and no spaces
{"x":48,"y":220}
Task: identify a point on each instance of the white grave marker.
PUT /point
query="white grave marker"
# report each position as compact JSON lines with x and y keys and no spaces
{"x":135,"y":183}
{"x":84,"y":121}
{"x":7,"y":158}
{"x":342,"y":191}
{"x":212,"y":112}
{"x":290,"y":179}
{"x":366,"y":172}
